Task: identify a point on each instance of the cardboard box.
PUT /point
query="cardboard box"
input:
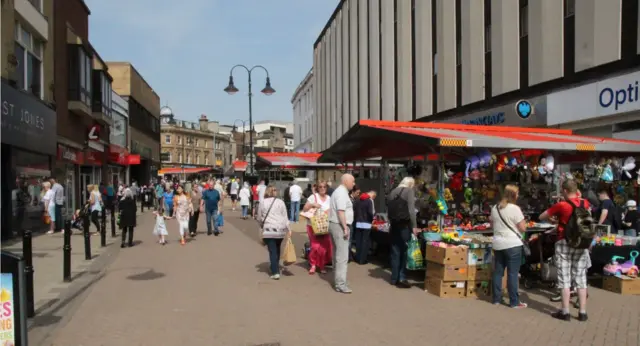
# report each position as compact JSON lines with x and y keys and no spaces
{"x":447,"y":272}
{"x":452,"y":256}
{"x":479,"y":256}
{"x":479,"y":289}
{"x":624,"y":285}
{"x":445,"y":289}
{"x":479,"y":272}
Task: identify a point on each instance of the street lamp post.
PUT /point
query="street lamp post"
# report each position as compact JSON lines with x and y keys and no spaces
{"x":244,"y":132}
{"x":267,"y":90}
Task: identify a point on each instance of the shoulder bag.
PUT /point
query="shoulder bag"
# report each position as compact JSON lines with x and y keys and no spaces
{"x":264,"y":219}
{"x":525,"y":246}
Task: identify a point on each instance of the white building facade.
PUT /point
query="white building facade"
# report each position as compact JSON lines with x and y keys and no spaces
{"x":463,"y":61}
{"x":119,"y":134}
{"x":303,"y":105}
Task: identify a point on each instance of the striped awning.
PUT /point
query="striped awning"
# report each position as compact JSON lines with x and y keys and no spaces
{"x":389,"y":139}
{"x":301,"y":161}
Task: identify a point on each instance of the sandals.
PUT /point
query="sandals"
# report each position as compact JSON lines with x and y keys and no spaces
{"x":312,"y":270}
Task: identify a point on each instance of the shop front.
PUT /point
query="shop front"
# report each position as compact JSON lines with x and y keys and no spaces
{"x":67,"y":166}
{"x":90,"y":171}
{"x":28,"y":146}
{"x":606,"y":108}
{"x":522,"y":113}
{"x":120,"y":161}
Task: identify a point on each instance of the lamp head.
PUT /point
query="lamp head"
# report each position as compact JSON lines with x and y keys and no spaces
{"x":268,"y":90}
{"x":231,"y":88}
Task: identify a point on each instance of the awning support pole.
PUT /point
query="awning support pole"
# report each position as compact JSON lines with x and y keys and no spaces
{"x":440,"y":189}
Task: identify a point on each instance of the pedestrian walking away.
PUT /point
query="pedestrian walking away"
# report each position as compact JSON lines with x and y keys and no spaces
{"x":340,"y":220}
{"x":95,"y":205}
{"x":234,"y":188}
{"x":211,"y":200}
{"x":295,"y":194}
{"x":183,"y":210}
{"x":58,"y":197}
{"x":127,"y":217}
{"x":245,"y":199}
{"x":274,"y":226}
{"x":364,"y":211}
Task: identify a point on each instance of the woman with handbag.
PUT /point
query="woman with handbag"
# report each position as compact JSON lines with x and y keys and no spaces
{"x":274,"y":226}
{"x":508,"y":225}
{"x":318,"y":205}
{"x":49,"y":216}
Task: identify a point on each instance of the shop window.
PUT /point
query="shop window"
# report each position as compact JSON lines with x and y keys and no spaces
{"x":29,"y":171}
{"x":28,"y":52}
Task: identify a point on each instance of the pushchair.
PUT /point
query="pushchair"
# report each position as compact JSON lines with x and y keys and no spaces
{"x":539,"y":268}
{"x":77,"y":222}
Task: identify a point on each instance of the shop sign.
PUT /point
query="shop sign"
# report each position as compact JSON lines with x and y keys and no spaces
{"x":94,"y":133}
{"x":93,"y":158}
{"x":527,"y":113}
{"x":69,"y":154}
{"x":27,"y":122}
{"x":611,"y":96}
{"x":133,"y":159}
{"x":7,"y":310}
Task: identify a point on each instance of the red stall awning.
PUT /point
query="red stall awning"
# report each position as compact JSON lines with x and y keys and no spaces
{"x":389,"y":139}
{"x":299,"y":161}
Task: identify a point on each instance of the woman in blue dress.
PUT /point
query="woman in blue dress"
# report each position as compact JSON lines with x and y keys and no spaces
{"x":167,"y":198}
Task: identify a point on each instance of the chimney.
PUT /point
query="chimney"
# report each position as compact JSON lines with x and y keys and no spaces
{"x":204,"y":123}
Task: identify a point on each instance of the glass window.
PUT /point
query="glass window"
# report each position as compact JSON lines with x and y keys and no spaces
{"x":167,"y":139}
{"x":20,"y":74}
{"x":487,"y":38}
{"x":524,"y":21}
{"x":34,"y":74}
{"x":196,"y":142}
{"x":188,"y":158}
{"x":25,"y":37}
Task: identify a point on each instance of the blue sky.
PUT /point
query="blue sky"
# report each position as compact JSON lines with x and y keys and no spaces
{"x":185,"y":49}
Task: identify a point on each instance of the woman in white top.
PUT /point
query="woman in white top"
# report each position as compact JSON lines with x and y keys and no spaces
{"x":245,"y":197}
{"x":320,"y":252}
{"x":508,"y":225}
{"x":272,"y":216}
{"x":95,"y":205}
{"x":49,"y":205}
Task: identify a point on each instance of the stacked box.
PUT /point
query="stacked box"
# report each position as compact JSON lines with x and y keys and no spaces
{"x":446,"y":271}
{"x":623,"y":284}
{"x":480,"y":264}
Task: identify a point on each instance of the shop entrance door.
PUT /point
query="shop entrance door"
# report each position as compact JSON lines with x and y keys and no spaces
{"x":70,"y":193}
{"x":85,"y":180}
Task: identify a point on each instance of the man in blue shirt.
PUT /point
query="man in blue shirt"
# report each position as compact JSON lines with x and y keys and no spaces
{"x":211,"y":202}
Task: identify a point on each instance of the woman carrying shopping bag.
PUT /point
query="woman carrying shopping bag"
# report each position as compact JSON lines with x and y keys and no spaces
{"x":274,"y":226}
{"x":318,"y":206}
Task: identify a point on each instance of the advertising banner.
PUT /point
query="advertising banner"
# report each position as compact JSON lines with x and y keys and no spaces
{"x":7,"y":320}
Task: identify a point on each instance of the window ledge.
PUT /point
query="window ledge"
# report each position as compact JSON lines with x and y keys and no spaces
{"x":34,"y":20}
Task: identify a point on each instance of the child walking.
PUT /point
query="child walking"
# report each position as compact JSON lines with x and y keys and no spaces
{"x":160,"y":229}
{"x":183,"y":210}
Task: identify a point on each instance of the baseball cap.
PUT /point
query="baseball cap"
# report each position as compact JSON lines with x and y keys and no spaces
{"x":631,"y":203}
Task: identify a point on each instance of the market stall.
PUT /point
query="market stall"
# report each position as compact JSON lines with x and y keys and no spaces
{"x":473,"y":164}
{"x":186,"y":172}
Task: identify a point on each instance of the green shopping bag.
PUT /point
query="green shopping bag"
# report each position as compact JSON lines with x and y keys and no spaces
{"x":415,"y":261}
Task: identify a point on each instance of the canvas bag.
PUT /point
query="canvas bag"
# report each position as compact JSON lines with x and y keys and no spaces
{"x":318,"y":219}
{"x":289,"y":254}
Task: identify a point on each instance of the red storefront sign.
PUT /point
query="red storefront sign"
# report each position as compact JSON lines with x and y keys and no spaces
{"x":70,"y":154}
{"x":121,"y":156}
{"x":93,"y":158}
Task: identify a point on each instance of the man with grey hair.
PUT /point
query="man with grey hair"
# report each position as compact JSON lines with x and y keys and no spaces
{"x":401,"y":206}
{"x":340,"y":220}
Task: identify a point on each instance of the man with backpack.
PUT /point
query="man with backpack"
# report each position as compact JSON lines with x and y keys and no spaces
{"x":575,"y":235}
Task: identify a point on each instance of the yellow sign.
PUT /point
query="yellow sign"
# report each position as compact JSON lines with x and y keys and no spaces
{"x":218,"y":162}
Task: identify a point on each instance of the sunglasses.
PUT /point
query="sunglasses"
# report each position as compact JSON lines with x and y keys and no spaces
{"x":322,"y":187}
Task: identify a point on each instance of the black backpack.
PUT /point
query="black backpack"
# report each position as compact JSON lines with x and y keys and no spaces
{"x":579,"y":232}
{"x":398,"y":209}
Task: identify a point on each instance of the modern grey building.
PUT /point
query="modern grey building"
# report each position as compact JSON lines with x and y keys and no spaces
{"x":302,"y":102}
{"x":464,"y":61}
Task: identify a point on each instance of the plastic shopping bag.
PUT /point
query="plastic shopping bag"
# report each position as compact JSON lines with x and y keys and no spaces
{"x":289,"y":254}
{"x":415,"y":261}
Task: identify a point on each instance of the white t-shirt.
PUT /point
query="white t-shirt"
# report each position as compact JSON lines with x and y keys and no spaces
{"x":503,"y":237}
{"x":324,"y":205}
{"x":295,"y":192}
{"x":340,"y":200}
{"x":234,"y":188}
{"x":261,"y":191}
{"x":48,"y":196}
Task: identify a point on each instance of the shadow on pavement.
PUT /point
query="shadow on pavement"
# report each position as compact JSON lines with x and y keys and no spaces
{"x":264,"y":268}
{"x":146,"y":276}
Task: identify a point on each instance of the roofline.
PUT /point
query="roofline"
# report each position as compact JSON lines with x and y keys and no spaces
{"x":138,"y":72}
{"x":302,"y":85}
{"x":329,"y":22}
{"x":106,"y":67}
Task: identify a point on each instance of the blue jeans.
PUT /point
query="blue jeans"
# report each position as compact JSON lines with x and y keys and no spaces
{"x":511,"y":259}
{"x":273,"y":246}
{"x":211,"y":218}
{"x":245,"y":210}
{"x":400,"y":236}
{"x":295,"y":210}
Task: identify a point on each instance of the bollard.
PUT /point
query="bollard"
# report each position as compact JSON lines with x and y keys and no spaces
{"x":142,"y":203}
{"x":113,"y":221}
{"x":27,"y":252}
{"x":87,"y":237}
{"x":66,"y":252}
{"x":103,"y":229}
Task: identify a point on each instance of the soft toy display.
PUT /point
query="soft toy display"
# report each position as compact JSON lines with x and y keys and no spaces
{"x":627,"y":167}
{"x":549,"y":164}
{"x":456,"y":182}
{"x":468,"y":195}
{"x":501,"y":163}
{"x":485,"y":158}
{"x":471,"y":163}
{"x":448,"y":175}
{"x":607,"y":172}
{"x":448,"y":196}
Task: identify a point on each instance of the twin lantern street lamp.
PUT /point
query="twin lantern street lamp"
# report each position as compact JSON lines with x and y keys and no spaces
{"x":267,"y":90}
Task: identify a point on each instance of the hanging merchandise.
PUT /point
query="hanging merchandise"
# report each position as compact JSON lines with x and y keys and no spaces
{"x":607,"y":172}
{"x":456,"y":182}
{"x":468,"y":195}
{"x":627,"y":167}
{"x":501,"y":163}
{"x":485,"y":158}
{"x":471,"y":164}
{"x":442,"y":204}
